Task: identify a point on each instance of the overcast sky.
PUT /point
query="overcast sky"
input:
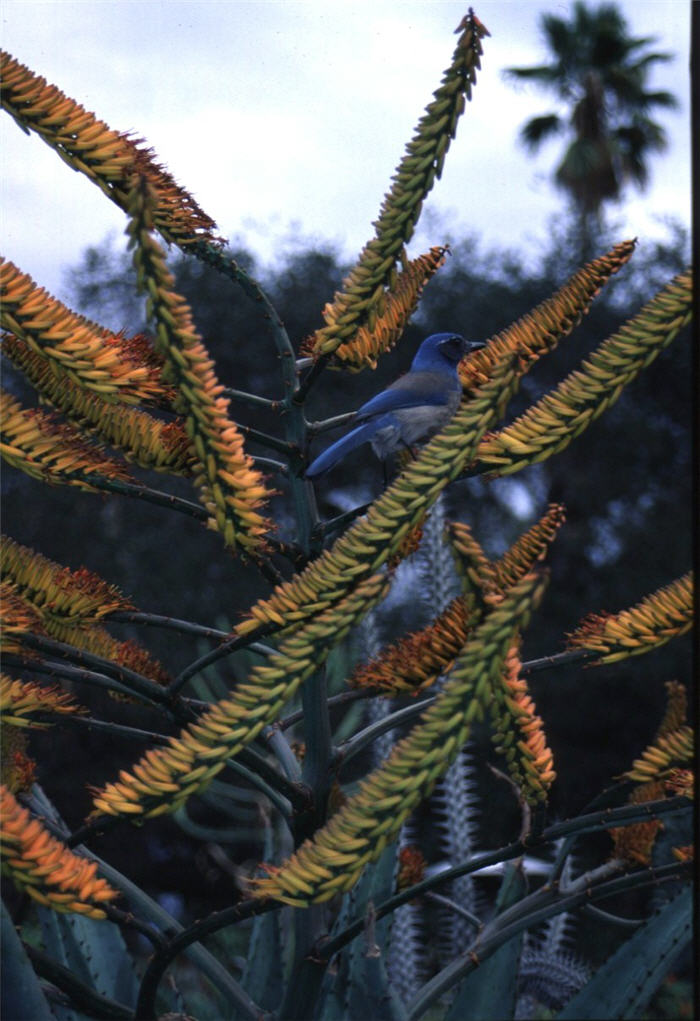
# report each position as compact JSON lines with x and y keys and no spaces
{"x":287,"y":117}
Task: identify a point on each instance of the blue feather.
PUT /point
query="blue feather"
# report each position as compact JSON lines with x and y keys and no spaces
{"x":413,"y":408}
{"x":338,"y":450}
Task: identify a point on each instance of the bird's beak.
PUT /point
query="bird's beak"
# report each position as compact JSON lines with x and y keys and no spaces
{"x":475,"y":345}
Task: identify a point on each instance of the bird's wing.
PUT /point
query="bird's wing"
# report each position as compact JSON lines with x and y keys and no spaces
{"x":414,"y":390}
{"x":338,"y":450}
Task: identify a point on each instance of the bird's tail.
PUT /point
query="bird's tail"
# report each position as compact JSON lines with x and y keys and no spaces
{"x":338,"y":450}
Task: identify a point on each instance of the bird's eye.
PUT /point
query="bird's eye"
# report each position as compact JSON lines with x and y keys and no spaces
{"x":453,"y":348}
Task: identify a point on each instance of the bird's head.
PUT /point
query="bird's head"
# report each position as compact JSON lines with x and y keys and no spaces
{"x":449,"y":347}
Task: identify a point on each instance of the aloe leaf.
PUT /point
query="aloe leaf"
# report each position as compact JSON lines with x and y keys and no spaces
{"x":94,"y":951}
{"x":369,"y":993}
{"x":361,"y":987}
{"x":20,"y":992}
{"x":60,"y":945}
{"x":623,"y":986}
{"x":373,"y":996}
{"x":54,"y":938}
{"x":263,"y":975}
{"x":227,"y":988}
{"x":262,"y":978}
{"x":489,"y":993}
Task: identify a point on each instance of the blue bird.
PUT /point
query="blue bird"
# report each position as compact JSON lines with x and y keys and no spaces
{"x":413,"y":408}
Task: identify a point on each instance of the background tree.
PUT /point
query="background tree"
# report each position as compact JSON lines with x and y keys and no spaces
{"x":600,"y":73}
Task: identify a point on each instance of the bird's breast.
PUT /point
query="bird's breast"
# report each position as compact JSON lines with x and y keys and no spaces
{"x":407,"y":426}
{"x":420,"y":423}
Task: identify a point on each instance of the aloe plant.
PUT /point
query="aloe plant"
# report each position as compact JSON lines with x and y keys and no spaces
{"x":339,"y":919}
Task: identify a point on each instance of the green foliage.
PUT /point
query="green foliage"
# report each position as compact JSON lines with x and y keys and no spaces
{"x":21,"y":992}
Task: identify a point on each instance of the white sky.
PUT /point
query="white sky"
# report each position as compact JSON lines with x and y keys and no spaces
{"x":277,"y":115}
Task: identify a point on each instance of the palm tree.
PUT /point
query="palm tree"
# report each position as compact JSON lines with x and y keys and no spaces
{"x":601,"y":73}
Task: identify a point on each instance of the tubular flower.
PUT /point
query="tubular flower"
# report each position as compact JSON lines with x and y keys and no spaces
{"x":61,"y":596}
{"x":656,"y":760}
{"x":519,"y":734}
{"x":557,"y":418}
{"x":475,"y":568}
{"x":412,"y":865}
{"x":165,"y":777}
{"x":665,"y":614}
{"x":635,"y":843}
{"x":670,"y":740}
{"x":17,"y":770}
{"x":108,"y":158}
{"x":530,"y":547}
{"x":105,"y":363}
{"x":128,"y":654}
{"x":231,"y":489}
{"x":540,"y":330}
{"x":18,"y":618}
{"x":332,"y":861}
{"x":20,"y":700}
{"x":673,"y":741}
{"x":416,"y":661}
{"x":676,"y":708}
{"x":148,"y":441}
{"x":51,"y":451}
{"x":492,"y":578}
{"x":373,"y":539}
{"x":44,"y":598}
{"x":365,"y":347}
{"x":409,"y":546}
{"x":680,"y":782}
{"x":99,"y":642}
{"x":45,"y":868}
{"x":363,"y":298}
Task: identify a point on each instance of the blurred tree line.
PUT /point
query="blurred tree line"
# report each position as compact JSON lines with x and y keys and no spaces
{"x":625,"y":484}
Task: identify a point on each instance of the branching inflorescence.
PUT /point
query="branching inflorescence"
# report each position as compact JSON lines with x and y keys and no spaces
{"x":158,"y":404}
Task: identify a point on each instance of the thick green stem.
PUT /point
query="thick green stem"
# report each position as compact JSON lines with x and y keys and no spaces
{"x":309,"y":923}
{"x":318,"y":752}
